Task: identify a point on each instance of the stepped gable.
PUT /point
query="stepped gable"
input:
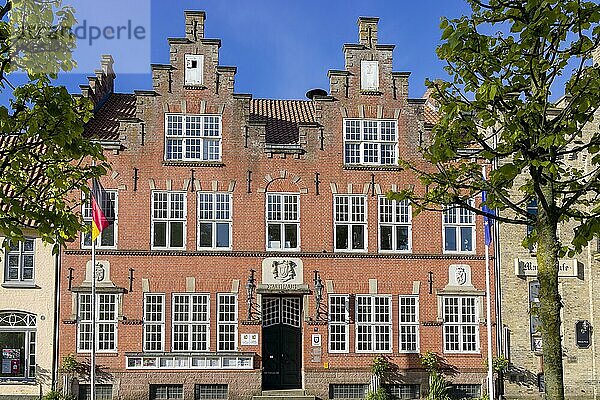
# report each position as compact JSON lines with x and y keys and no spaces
{"x":282,"y":118}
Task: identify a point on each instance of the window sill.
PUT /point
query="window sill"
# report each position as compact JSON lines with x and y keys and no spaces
{"x":191,"y":163}
{"x":360,"y":167}
{"x":17,"y":381}
{"x":194,"y":86}
{"x":20,"y":285}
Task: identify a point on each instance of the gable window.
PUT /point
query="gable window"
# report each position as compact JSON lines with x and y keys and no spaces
{"x":461,"y":330}
{"x":214,"y":220}
{"x":108,"y":236}
{"x":194,"y":68}
{"x":408,"y":324}
{"x":106,"y":322}
{"x":373,"y":324}
{"x":370,"y":142}
{"x":350,"y":222}
{"x":20,"y":261}
{"x":191,"y":322}
{"x":17,"y":345}
{"x":395,"y":230}
{"x":192,"y":137}
{"x":338,"y":323}
{"x":154,"y":322}
{"x":227,"y":322}
{"x":459,"y":229}
{"x":283,"y":221}
{"x":169,"y":213}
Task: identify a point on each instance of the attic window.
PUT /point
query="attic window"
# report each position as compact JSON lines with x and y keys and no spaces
{"x":194,"y":66}
{"x":369,"y":75}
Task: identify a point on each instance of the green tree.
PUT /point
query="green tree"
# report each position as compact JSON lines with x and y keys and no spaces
{"x":504,"y":60}
{"x":43,"y":154}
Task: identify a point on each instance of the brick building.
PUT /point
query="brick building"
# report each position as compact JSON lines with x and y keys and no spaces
{"x":254,"y":248}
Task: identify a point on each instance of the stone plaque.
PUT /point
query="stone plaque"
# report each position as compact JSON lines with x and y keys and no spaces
{"x":249,"y":339}
{"x":369,"y":75}
{"x":102,"y":272}
{"x":459,"y":275}
{"x":583,"y":331}
{"x":282,"y":271}
{"x":568,"y":268}
{"x":316,"y":340}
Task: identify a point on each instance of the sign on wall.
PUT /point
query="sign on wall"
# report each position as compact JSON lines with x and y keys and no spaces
{"x":567,"y":268}
{"x":249,"y":339}
{"x":583,"y":331}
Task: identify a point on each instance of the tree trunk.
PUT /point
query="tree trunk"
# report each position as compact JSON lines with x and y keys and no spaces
{"x":550,"y":304}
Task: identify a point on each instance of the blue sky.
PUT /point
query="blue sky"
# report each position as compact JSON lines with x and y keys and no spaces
{"x":284,"y":48}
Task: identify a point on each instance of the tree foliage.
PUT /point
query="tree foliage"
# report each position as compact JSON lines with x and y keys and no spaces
{"x":44,"y":156}
{"x":505,"y":61}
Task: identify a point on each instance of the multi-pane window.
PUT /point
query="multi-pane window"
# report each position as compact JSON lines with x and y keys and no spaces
{"x":408,"y":324}
{"x":370,"y":142}
{"x":103,"y":392}
{"x":338,"y":323}
{"x":283,"y":221}
{"x":210,"y":391}
{"x":106,"y":322}
{"x":373,"y":324}
{"x":108,"y":236}
{"x":227,"y":322}
{"x":348,"y":390}
{"x":17,"y":345}
{"x":459,"y":229}
{"x":534,"y":319}
{"x":154,"y":322}
{"x":461,"y":329}
{"x":395,"y":230}
{"x":191,"y":322}
{"x":350,"y":222}
{"x":166,"y":392}
{"x":214,"y":220}
{"x":168,"y":220}
{"x":19,"y":261}
{"x":192,"y":137}
{"x":465,"y":391}
{"x":404,"y":391}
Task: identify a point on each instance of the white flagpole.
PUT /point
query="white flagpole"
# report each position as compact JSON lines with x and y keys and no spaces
{"x":93,"y":353}
{"x":490,"y":371}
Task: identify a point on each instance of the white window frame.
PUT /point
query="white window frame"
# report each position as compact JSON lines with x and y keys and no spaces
{"x":169,"y":219}
{"x":20,"y":253}
{"x":192,"y":322}
{"x":461,"y":322}
{"x":339,"y":321}
{"x":86,"y":212}
{"x":154,"y":320}
{"x":282,"y":221}
{"x":350,"y":222}
{"x":216,"y":218}
{"x":408,"y":321}
{"x":100,"y":323}
{"x":26,"y":324}
{"x":452,"y":218}
{"x":221,"y":323}
{"x":196,"y":132}
{"x":369,"y":140}
{"x":373,"y":324}
{"x":398,"y":219}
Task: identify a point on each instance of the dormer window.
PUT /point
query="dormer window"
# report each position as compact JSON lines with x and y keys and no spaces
{"x":192,"y":137}
{"x":370,"y":142}
{"x":194,"y":68}
{"x":369,"y":75}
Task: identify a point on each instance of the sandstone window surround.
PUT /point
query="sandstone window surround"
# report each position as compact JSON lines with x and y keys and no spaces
{"x":350,"y":223}
{"x":169,"y":220}
{"x":190,"y":322}
{"x":154,"y":322}
{"x":461,"y":324}
{"x":106,"y":323}
{"x":283,"y":221}
{"x":108,"y":237}
{"x":20,"y":262}
{"x":373,"y":323}
{"x":339,"y":306}
{"x":395,"y":225}
{"x":214,"y":221}
{"x":408,"y":324}
{"x":227,"y":322}
{"x":370,"y":142}
{"x":458,"y":229}
{"x":191,"y":137}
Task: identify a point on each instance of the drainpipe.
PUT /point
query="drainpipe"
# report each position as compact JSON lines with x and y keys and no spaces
{"x":57,"y":265}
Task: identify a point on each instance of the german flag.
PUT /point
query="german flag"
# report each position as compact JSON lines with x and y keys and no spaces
{"x":100,"y":203}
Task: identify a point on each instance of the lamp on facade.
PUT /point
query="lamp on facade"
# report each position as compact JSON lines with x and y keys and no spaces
{"x":318,"y":286}
{"x":250,"y":290}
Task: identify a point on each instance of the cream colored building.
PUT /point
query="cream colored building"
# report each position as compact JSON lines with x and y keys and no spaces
{"x":27,"y":318}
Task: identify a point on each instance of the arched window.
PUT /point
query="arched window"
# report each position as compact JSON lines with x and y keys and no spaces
{"x":17,"y":345}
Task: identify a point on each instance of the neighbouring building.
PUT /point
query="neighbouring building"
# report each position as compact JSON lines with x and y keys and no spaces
{"x":254,"y":247}
{"x":27,"y":317}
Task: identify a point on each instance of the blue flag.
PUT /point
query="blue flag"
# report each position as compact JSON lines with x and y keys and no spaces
{"x":487,"y":221}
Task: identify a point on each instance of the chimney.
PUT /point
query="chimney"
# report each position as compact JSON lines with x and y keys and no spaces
{"x":367,"y":31}
{"x":194,"y":24}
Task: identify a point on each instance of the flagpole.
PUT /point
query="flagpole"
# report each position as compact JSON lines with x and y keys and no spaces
{"x":93,"y":353}
{"x":490,"y":371}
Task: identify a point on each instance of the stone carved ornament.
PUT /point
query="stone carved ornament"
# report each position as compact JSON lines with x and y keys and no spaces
{"x":283,"y":270}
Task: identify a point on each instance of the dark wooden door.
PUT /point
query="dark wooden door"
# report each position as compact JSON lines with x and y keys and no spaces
{"x":281,"y":343}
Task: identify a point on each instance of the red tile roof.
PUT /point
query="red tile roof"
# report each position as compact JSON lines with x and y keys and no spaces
{"x":105,"y":123}
{"x":282,"y":118}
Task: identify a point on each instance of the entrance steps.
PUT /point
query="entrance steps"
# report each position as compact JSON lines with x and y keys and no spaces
{"x":291,"y":394}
